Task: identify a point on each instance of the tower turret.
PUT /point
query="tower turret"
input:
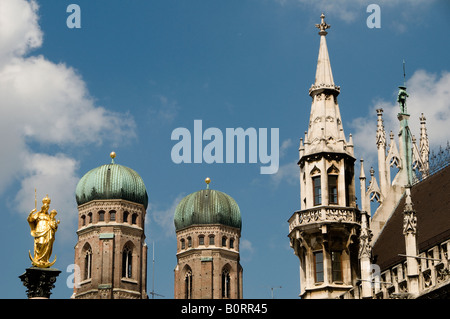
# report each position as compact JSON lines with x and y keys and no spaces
{"x":322,"y":233}
{"x":111,"y":252}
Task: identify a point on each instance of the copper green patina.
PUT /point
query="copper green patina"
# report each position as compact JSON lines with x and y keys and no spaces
{"x":207,"y":206}
{"x":111,"y":181}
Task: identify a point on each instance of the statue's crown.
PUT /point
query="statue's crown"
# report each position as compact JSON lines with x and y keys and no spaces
{"x":46,"y":200}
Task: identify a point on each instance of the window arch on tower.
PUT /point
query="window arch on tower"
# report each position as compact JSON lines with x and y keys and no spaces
{"x":112,"y":215}
{"x":101,"y":216}
{"x":318,"y":266}
{"x":87,"y":261}
{"x":226,"y":282}
{"x":188,"y":283}
{"x":336,"y":265}
{"x":333,"y":173}
{"x":127,"y":261}
{"x":317,"y":186}
{"x":224,"y":241}
{"x":134,"y":219}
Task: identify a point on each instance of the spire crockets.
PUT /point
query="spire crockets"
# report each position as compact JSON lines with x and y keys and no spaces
{"x":325,"y":131}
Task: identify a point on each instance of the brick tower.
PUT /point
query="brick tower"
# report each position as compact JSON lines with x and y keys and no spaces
{"x":208,"y":229}
{"x":111,"y":252}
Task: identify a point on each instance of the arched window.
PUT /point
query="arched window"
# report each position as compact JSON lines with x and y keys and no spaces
{"x":133,"y":219}
{"x":317,"y":187}
{"x":224,"y":241}
{"x":183,"y":244}
{"x":87,"y":252}
{"x":201,"y":240}
{"x":89,"y":218}
{"x":101,"y":216}
{"x":231,"y":242}
{"x":83,"y":220}
{"x":112,"y":215}
{"x":317,"y":190}
{"x":333,"y":185}
{"x":211,"y":240}
{"x":188,"y":284}
{"x":127,"y":262}
{"x":318,"y":266}
{"x":332,"y":189}
{"x":225,"y":283}
{"x":189,"y":241}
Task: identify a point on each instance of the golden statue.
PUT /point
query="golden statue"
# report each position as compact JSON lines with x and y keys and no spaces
{"x":43,"y":227}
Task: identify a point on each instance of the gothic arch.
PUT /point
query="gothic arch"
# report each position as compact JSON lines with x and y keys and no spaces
{"x":187,"y":282}
{"x":315,"y":171}
{"x":86,"y":252}
{"x":333,"y":169}
{"x":128,"y":260}
{"x":226,"y":281}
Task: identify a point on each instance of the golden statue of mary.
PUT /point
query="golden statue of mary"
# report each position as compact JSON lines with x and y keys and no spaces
{"x":43,"y":227}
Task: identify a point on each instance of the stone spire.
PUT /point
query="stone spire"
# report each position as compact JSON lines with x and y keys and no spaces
{"x":424,"y":146}
{"x":381,"y":147}
{"x":325,"y":131}
{"x":324,"y":76}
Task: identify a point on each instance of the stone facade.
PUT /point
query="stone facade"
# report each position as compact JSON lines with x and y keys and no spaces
{"x":111,"y":252}
{"x":400,"y":250}
{"x":208,"y":263}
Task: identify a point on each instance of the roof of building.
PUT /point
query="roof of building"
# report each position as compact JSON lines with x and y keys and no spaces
{"x":111,"y":181}
{"x":431,"y":202}
{"x":207,"y":206}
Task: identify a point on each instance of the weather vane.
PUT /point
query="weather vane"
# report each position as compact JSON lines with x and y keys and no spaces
{"x":43,"y":227}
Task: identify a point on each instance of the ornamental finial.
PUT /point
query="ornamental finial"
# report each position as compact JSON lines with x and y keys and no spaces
{"x":207,"y":181}
{"x":323,"y":25}
{"x":113,"y":156}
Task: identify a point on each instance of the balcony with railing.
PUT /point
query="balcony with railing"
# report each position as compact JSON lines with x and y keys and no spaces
{"x":324,"y":214}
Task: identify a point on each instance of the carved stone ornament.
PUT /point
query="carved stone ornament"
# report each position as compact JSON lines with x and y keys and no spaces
{"x":409,"y":222}
{"x":39,"y":281}
{"x":365,"y":247}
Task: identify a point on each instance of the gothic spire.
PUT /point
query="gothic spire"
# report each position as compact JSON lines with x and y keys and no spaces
{"x":325,"y":131}
{"x":324,"y":75}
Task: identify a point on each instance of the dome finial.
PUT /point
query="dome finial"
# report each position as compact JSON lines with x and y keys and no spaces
{"x":113,"y":156}
{"x":207,"y":181}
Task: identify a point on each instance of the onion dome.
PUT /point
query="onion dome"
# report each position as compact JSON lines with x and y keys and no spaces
{"x":207,"y":206}
{"x":111,"y":181}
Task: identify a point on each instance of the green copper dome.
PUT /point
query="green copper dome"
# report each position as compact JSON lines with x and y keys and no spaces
{"x":112,"y":181}
{"x":207,"y":206}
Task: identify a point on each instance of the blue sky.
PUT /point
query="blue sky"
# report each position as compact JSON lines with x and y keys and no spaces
{"x":137,"y":70}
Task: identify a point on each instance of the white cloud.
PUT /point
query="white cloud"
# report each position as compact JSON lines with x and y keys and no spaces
{"x":246,"y":249}
{"x":19,"y":29}
{"x":55,"y":176}
{"x":164,"y":217}
{"x":165,"y":110}
{"x":44,"y":104}
{"x":288,"y":174}
{"x":285,"y":145}
{"x":429,"y":94}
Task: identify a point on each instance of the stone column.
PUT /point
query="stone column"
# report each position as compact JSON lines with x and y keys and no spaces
{"x":365,"y":250}
{"x":39,"y":281}
{"x":410,"y":231}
